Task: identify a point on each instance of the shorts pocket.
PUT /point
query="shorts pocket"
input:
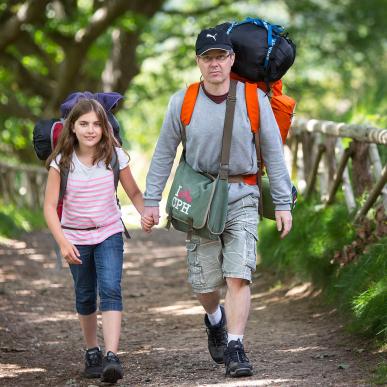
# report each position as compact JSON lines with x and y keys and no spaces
{"x":195,"y":271}
{"x":251,"y":245}
{"x":251,"y":201}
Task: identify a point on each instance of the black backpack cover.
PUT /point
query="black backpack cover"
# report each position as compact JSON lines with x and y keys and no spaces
{"x":263,"y":52}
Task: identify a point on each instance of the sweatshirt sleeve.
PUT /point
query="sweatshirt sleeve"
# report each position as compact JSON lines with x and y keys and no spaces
{"x":273,"y":156}
{"x":165,"y":151}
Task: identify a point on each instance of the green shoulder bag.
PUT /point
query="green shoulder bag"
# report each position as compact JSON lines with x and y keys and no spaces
{"x":198,"y":202}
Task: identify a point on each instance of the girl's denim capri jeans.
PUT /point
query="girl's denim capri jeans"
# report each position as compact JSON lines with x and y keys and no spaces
{"x":101,"y":269}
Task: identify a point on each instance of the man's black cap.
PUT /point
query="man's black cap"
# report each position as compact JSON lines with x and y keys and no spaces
{"x":212,"y":39}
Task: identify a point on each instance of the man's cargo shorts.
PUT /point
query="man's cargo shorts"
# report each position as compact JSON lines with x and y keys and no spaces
{"x":232,"y":255}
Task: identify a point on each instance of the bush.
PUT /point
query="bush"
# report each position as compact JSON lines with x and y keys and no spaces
{"x":14,"y":221}
{"x":307,"y":251}
{"x":358,"y":288}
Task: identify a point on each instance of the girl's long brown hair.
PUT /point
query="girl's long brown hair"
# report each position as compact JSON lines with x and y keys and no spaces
{"x":68,"y":141}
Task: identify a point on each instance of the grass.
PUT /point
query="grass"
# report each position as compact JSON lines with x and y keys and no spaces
{"x":360,"y":289}
{"x":14,"y":221}
{"x":308,"y":249}
{"x":357,"y":289}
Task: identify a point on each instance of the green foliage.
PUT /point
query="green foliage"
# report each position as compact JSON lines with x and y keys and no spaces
{"x":14,"y":221}
{"x":380,"y":377}
{"x":307,"y":250}
{"x":358,"y":289}
{"x":339,"y":73}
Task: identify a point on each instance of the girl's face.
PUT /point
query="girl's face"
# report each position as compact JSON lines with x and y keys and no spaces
{"x":88,"y":130}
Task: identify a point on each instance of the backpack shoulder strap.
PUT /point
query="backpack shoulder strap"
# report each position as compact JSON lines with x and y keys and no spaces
{"x":114,"y":163}
{"x":252,"y":105}
{"x":115,"y":167}
{"x":64,"y":174}
{"x":189,"y":103}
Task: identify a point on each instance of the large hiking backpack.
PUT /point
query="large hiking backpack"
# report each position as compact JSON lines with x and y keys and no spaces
{"x":263,"y":51}
{"x":263,"y":54}
{"x":282,"y":105}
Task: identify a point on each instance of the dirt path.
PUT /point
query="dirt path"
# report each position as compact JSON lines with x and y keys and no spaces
{"x":291,"y":339}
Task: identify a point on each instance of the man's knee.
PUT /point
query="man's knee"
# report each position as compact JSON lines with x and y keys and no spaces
{"x":236,"y":283}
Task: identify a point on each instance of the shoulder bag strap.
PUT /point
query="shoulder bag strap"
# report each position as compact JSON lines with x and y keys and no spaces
{"x":227,"y":131}
{"x":259,"y":161}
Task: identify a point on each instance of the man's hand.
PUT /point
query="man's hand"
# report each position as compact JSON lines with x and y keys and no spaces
{"x":284,"y":222}
{"x":147,"y":223}
{"x":149,"y":218}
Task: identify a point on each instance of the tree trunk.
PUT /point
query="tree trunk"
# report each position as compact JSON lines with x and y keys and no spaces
{"x":362,"y":179}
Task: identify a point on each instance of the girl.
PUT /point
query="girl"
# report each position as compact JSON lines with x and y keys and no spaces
{"x":89,"y":233}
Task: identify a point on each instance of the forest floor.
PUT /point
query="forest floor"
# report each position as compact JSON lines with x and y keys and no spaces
{"x":292,"y":338}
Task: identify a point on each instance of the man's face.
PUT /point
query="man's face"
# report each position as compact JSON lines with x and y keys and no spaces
{"x":215,"y":65}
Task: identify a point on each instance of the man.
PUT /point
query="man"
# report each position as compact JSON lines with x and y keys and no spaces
{"x":231,"y":259}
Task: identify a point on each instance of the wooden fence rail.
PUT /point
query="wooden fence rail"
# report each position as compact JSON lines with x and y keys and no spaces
{"x":22,"y":185}
{"x":319,"y":164}
{"x":323,"y":160}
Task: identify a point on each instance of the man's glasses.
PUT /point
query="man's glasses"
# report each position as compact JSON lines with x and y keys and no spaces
{"x":218,"y":58}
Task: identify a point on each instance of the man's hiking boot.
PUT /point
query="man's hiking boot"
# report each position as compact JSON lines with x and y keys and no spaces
{"x":111,"y":368}
{"x":93,"y":363}
{"x":217,"y":337}
{"x":236,"y":362}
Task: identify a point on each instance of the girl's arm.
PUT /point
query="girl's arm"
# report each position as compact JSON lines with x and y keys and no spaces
{"x":68,"y":250}
{"x":131,"y":188}
{"x":135,"y":195}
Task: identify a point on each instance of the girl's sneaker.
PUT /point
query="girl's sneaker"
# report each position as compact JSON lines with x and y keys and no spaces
{"x":111,"y":368}
{"x":93,"y":363}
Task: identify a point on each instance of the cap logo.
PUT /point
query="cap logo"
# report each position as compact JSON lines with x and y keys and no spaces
{"x":211,"y":36}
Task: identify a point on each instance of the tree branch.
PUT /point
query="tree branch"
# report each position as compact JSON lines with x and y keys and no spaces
{"x":36,"y":84}
{"x":199,"y":11}
{"x":59,"y":38}
{"x":30,"y":11}
{"x":104,"y":16}
{"x":27,"y":46}
{"x":122,"y":66}
{"x":13,"y":108}
{"x":99,"y":22}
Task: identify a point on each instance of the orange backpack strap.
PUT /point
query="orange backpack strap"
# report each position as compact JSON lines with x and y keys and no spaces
{"x":252,"y":105}
{"x":189,"y":103}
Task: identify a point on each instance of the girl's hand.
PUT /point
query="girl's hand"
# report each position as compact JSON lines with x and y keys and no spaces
{"x":153,"y":213}
{"x":147,"y":223}
{"x":70,"y":253}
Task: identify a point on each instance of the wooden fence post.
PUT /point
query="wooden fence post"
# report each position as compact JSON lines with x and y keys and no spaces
{"x":294,"y":149}
{"x":373,"y":195}
{"x":323,"y":172}
{"x":339,"y":175}
{"x":377,"y":169}
{"x":312,"y":177}
{"x":307,"y":142}
{"x":360,"y":167}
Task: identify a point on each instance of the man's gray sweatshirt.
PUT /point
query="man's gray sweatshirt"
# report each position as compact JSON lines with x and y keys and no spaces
{"x":204,"y":143}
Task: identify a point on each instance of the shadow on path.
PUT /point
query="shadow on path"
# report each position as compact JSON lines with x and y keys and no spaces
{"x":292,"y":340}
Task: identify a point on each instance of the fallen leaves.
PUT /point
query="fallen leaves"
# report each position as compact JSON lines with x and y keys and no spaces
{"x":367,"y":232}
